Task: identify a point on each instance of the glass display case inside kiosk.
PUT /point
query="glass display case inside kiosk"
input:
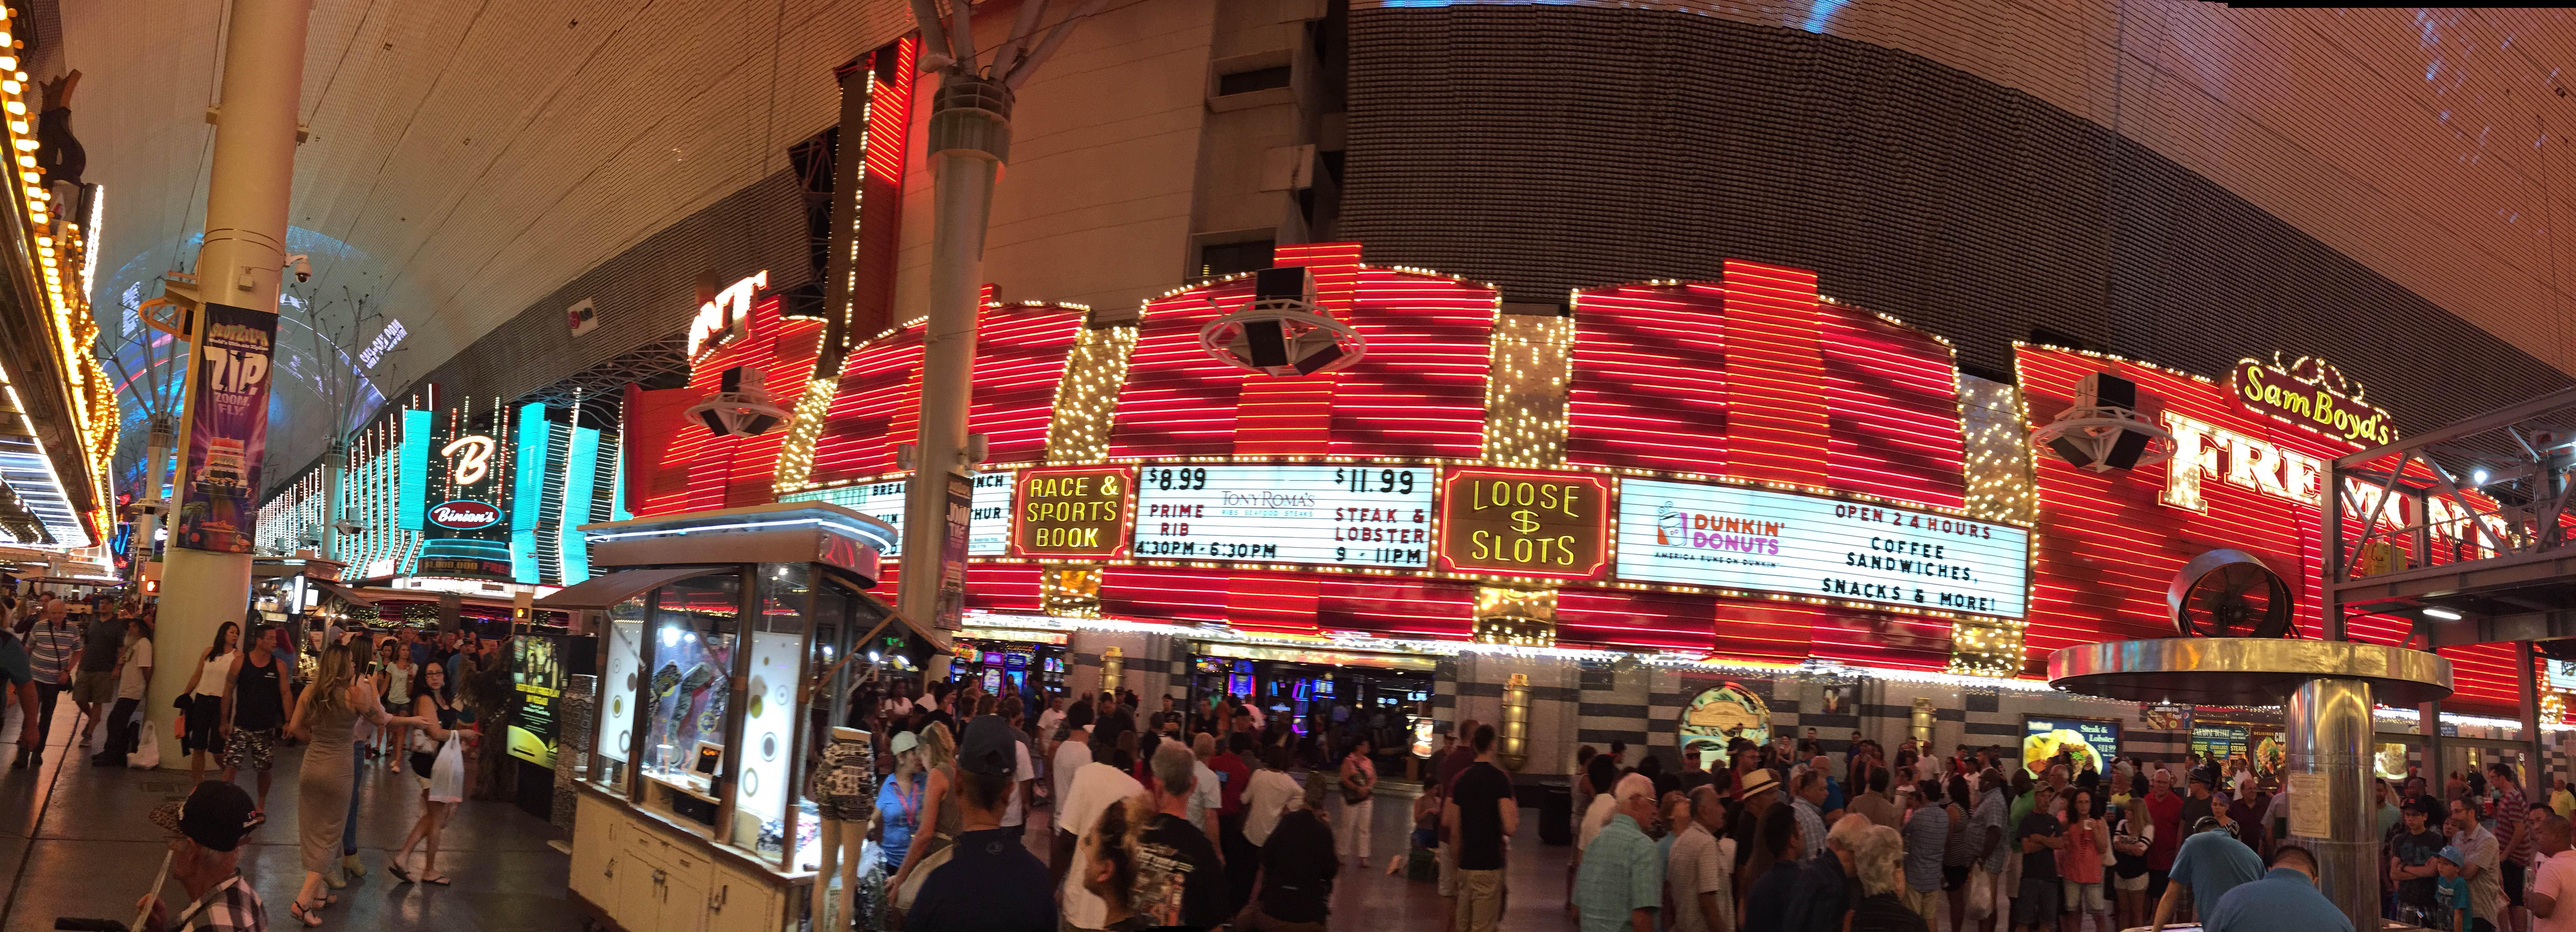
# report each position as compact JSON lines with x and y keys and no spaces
{"x":721,"y":636}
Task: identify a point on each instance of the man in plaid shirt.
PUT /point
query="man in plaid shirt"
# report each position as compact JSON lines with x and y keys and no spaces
{"x":53,"y":649}
{"x":205,"y":856}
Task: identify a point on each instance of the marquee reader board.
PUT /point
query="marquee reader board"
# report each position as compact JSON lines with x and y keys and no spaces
{"x":988,"y":527}
{"x":1354,"y":515}
{"x":1760,"y":540}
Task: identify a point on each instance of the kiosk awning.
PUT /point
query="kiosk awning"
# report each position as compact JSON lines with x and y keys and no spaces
{"x":604,"y":591}
{"x":343,"y":593}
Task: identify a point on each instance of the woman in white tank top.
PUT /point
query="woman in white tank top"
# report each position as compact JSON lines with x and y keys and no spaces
{"x":214,"y":678}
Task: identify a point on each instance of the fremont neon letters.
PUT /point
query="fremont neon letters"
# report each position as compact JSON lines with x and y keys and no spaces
{"x":2250,"y":463}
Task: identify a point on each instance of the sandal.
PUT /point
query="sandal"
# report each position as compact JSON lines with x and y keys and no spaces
{"x":257,"y":818}
{"x":303,"y":915}
{"x":441,"y":880}
{"x":395,"y":868}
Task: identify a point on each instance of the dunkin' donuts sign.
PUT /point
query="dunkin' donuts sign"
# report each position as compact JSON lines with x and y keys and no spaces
{"x":462,"y":515}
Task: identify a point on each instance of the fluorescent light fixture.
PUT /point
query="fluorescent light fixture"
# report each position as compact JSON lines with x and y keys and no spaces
{"x":2442,"y":613}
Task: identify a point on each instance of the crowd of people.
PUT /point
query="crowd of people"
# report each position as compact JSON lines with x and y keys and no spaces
{"x":354,"y":699}
{"x":1782,"y":837}
{"x":1161,"y":817}
{"x":1198,"y":817}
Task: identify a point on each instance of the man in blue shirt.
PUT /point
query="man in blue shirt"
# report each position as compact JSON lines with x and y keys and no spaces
{"x":1621,"y":885}
{"x":2286,"y":898}
{"x":2210,"y":864}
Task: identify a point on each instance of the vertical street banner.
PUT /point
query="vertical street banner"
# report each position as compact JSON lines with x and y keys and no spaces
{"x":952,"y":569}
{"x":227,"y":429}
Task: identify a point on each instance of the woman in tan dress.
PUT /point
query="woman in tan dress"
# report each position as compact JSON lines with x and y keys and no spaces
{"x":334,"y":702}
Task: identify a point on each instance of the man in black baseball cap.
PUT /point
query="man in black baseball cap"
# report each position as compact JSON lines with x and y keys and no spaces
{"x":991,"y":882}
{"x":205,"y":854}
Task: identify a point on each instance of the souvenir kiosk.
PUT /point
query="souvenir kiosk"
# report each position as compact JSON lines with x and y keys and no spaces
{"x":720,"y":637}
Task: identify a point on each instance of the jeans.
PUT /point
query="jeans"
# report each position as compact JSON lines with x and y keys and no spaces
{"x":46,"y":693}
{"x":120,"y":732}
{"x":357,"y":783}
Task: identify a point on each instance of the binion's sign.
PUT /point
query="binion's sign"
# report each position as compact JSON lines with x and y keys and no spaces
{"x":2312,"y":393}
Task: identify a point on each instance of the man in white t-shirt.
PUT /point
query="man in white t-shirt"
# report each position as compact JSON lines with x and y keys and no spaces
{"x":134,"y":676}
{"x":2553,"y":879}
{"x":1208,"y":794}
{"x":1015,"y":812}
{"x":1070,"y":754}
{"x":1095,"y":787}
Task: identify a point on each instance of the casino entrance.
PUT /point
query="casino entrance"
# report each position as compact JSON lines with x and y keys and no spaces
{"x":1316,"y":692}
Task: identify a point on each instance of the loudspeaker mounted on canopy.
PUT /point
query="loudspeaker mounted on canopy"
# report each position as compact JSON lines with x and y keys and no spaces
{"x":1281,"y":332}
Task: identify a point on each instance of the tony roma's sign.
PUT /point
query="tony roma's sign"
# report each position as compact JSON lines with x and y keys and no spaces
{"x":2313,"y":393}
{"x":1073,"y":512}
{"x":1524,"y":523}
{"x":1757,"y":540}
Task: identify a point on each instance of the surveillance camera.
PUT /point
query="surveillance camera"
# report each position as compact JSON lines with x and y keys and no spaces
{"x":303,"y":267}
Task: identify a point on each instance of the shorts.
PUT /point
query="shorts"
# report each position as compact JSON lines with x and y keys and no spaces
{"x":1481,"y":897}
{"x":1929,"y":904}
{"x":249,"y":750}
{"x":1426,"y":838}
{"x":203,"y":711}
{"x":1953,"y":878}
{"x":2085,"y":898}
{"x":2038,"y":902}
{"x":91,"y":686}
{"x":2133,"y":884}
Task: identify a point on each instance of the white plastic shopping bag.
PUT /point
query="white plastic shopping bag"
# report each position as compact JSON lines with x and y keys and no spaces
{"x":447,"y":776}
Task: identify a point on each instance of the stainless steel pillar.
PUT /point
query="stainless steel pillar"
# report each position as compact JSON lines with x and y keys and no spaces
{"x":2535,"y":767}
{"x":970,"y":138}
{"x":2328,"y":728}
{"x":334,"y":459}
{"x":156,"y":456}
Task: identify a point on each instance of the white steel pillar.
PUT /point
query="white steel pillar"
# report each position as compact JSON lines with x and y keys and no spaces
{"x":246,"y":209}
{"x":147,"y":525}
{"x":970,"y":136}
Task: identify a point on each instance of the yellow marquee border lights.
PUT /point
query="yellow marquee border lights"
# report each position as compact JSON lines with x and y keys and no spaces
{"x":58,"y":259}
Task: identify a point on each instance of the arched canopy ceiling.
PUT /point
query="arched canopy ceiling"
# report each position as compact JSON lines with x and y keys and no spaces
{"x":467,"y":157}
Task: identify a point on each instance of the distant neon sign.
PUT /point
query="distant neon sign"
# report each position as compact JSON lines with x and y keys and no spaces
{"x":726,"y":317}
{"x":2312,"y":393}
{"x":384,"y":341}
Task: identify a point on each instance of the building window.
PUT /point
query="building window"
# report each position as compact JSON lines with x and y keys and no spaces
{"x":1245,"y":82}
{"x":1218,"y":259}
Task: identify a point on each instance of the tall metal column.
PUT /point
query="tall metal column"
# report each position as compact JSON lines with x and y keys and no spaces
{"x":970,"y":136}
{"x":334,"y":459}
{"x":2535,"y":771}
{"x":246,"y":207}
{"x":2328,"y":729}
{"x":2429,"y":721}
{"x":156,"y":456}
